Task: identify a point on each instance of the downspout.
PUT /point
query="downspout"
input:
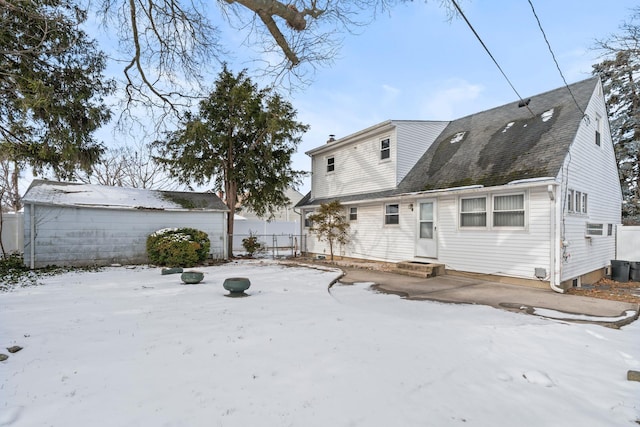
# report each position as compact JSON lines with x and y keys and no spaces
{"x":32,"y":235}
{"x":554,"y":259}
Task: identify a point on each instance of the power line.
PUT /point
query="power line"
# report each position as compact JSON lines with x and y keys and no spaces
{"x":554,"y":58}
{"x":522,"y":102}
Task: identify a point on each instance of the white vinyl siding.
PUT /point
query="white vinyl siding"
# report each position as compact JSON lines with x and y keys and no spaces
{"x":593,"y":168}
{"x":496,"y":250}
{"x":357,"y":169}
{"x":372,"y":239}
{"x":361,"y":165}
{"x":414,"y":138}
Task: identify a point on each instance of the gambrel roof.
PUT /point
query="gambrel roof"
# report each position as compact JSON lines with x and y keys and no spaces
{"x":497,"y":146}
{"x":504,"y":144}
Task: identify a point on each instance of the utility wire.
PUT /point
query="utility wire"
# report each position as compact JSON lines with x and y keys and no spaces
{"x":491,"y":55}
{"x":554,"y":58}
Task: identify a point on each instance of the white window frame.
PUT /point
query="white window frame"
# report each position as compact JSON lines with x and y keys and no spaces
{"x":385,"y":151}
{"x":598,"y":135}
{"x":577,"y":202}
{"x":331,"y":164}
{"x":353,"y":213}
{"x":523,"y":210}
{"x":388,"y":215}
{"x":461,"y":213}
{"x":594,"y":229}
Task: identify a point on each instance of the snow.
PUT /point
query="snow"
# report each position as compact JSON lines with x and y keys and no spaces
{"x":546,"y":116}
{"x":98,"y":195}
{"x":457,"y":137}
{"x":553,"y":314}
{"x":131,"y":347}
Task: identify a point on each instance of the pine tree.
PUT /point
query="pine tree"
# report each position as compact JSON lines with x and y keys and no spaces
{"x":51,"y":87}
{"x":620,"y":74}
{"x":242,"y":139}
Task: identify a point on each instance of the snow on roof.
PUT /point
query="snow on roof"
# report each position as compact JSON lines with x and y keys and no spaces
{"x":89,"y":195}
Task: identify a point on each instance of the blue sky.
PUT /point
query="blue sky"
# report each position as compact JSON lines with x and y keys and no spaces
{"x":413,"y":63}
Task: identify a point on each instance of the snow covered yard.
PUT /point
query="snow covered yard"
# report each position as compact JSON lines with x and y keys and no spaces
{"x":131,"y":347}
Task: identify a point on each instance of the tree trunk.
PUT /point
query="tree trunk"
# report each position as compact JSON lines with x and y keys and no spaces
{"x":231,"y":197}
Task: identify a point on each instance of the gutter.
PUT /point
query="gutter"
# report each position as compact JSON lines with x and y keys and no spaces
{"x":469,"y":189}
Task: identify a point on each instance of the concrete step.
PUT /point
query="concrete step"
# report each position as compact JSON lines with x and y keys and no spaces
{"x":420,"y":269}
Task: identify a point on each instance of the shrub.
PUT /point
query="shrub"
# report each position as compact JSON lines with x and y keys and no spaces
{"x":251,"y":244}
{"x":178,"y":247}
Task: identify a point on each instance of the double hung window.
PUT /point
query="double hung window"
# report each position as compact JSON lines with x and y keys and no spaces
{"x":508,"y":211}
{"x":392,"y":214}
{"x":473,"y":212}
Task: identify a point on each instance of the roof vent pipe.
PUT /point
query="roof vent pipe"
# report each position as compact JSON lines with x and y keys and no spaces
{"x":331,"y":139}
{"x":524,"y":102}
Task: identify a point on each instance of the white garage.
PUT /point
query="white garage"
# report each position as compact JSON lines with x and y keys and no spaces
{"x":70,"y":224}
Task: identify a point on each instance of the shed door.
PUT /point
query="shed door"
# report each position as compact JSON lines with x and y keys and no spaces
{"x":427,"y":238}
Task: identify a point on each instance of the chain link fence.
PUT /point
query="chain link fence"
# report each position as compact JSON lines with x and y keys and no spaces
{"x":272,"y":245}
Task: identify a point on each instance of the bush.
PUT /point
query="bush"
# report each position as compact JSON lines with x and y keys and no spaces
{"x":178,"y":247}
{"x":251,"y":244}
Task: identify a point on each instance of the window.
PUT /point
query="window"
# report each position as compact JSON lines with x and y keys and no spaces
{"x":598,"y":129}
{"x":578,"y":205}
{"x":508,"y":211}
{"x":576,"y":202}
{"x":473,"y":212}
{"x":392,"y":214}
{"x":594,"y":229}
{"x":331,"y":164}
{"x":353,"y":214}
{"x":307,"y":221}
{"x":609,"y":229}
{"x":385,"y":149}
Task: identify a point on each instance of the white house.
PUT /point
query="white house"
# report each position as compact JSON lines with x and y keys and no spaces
{"x":528,"y":191}
{"x":80,"y":224}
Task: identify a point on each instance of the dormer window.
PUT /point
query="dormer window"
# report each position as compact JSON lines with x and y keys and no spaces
{"x":385,"y":149}
{"x":331,"y":164}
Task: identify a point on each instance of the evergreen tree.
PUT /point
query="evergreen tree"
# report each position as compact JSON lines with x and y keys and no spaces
{"x":330,"y":225}
{"x":51,"y":86}
{"x":620,"y":74}
{"x":242,"y":139}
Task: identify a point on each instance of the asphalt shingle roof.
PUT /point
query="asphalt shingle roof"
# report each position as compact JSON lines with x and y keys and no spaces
{"x":497,"y":146}
{"x":503,"y":144}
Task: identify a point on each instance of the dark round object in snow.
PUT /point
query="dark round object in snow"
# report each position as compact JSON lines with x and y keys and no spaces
{"x":236,"y":285}
{"x":171,"y":270}
{"x":192,"y":277}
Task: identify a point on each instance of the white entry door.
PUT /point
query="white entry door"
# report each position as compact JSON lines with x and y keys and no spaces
{"x":427,"y":237}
